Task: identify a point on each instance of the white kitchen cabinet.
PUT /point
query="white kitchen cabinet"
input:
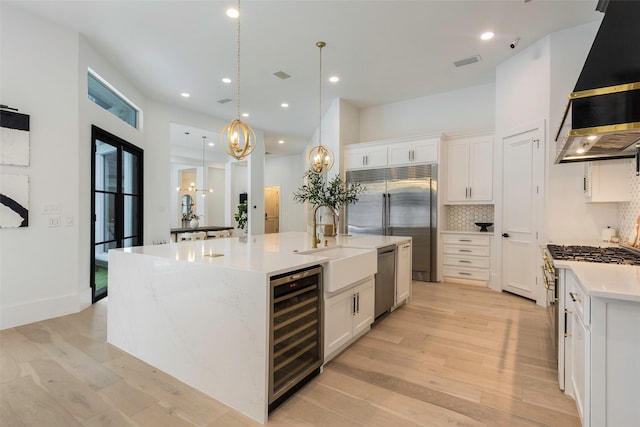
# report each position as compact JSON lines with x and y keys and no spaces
{"x":615,"y":352}
{"x":413,"y":152}
{"x":470,"y":170}
{"x":607,"y":181}
{"x":403,"y":273}
{"x":466,"y":257}
{"x":578,"y":335}
{"x":347,"y":315}
{"x":602,"y":349}
{"x":365,"y":157}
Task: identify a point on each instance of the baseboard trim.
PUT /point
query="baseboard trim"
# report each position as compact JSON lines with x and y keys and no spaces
{"x":35,"y":311}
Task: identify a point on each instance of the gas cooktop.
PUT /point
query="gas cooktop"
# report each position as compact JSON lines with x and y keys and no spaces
{"x":609,"y":255}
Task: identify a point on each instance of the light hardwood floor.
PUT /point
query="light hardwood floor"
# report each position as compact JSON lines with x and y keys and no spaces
{"x":456,"y":355}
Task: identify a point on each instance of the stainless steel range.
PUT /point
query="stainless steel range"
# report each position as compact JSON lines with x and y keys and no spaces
{"x":609,"y":255}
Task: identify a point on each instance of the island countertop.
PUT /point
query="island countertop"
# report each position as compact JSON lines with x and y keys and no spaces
{"x":266,"y":253}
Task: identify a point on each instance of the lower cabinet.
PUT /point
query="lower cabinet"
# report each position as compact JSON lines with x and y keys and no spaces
{"x":347,"y":315}
{"x":466,"y":257}
{"x":602,"y":350}
{"x":403,"y":273}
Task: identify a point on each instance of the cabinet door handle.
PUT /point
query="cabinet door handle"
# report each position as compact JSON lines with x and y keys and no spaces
{"x":574,"y":297}
{"x":466,"y":192}
{"x":353,"y":303}
{"x":358,"y":302}
{"x":469,"y":192}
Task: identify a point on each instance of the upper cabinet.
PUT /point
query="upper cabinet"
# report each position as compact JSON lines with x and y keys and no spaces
{"x":365,"y":157}
{"x":469,"y":177}
{"x":391,"y":153}
{"x":607,"y":181}
{"x":413,"y":152}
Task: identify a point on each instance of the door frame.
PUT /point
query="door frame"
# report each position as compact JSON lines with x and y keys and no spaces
{"x":540,"y":168}
{"x":121,"y":145}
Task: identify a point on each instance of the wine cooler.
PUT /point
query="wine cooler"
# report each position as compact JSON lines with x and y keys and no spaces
{"x":296,"y":347}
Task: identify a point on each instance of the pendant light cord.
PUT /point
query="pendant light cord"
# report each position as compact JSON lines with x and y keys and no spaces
{"x":320,"y":45}
{"x":238,"y":103}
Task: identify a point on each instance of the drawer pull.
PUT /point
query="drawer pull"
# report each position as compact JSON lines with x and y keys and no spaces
{"x":462,"y":273}
{"x":465,"y":261}
{"x":464,"y":240}
{"x":574,"y":297}
{"x":464,"y":250}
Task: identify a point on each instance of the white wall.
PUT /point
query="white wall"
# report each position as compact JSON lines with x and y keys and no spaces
{"x":568,"y":217}
{"x":465,"y":110}
{"x":39,"y":76}
{"x":286,"y":172}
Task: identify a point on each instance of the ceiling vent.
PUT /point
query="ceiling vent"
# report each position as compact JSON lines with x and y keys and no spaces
{"x":224,"y":100}
{"x":467,"y":61}
{"x":281,"y":75}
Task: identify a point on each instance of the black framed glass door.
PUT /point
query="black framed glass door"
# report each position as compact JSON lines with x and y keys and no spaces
{"x":116,"y":207}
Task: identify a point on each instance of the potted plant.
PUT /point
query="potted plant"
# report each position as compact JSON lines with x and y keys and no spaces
{"x":333,"y":193}
{"x":241,"y":216}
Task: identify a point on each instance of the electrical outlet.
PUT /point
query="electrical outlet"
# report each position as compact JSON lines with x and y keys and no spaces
{"x":54,"y":221}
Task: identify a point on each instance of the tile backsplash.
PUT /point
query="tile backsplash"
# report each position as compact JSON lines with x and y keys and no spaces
{"x":463,"y":217}
{"x":628,"y":212}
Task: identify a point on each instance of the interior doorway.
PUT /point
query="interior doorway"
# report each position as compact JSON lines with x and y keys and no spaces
{"x":523,"y":167}
{"x":271,"y":209}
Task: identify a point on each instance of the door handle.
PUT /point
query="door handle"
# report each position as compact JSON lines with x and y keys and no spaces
{"x":505,"y":234}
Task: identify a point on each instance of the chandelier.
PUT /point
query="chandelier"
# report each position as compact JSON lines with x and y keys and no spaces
{"x":320,"y":158}
{"x":240,"y":138}
{"x":192,"y":186}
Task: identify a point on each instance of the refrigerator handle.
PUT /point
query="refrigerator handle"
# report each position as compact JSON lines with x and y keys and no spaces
{"x":388,"y":215}
{"x":384,"y":213}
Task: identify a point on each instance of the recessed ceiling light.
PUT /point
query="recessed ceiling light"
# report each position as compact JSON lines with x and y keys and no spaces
{"x":245,"y":114}
{"x":185,"y":94}
{"x":211,"y":144}
{"x":284,"y":105}
{"x":226,"y":80}
{"x":232,"y":12}
{"x":334,"y":79}
{"x":281,"y":141}
{"x":487,"y":35}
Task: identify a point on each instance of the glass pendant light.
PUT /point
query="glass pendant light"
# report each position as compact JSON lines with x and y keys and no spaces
{"x":320,"y":158}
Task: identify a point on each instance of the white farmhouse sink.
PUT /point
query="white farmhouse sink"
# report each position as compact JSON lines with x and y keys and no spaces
{"x":346,"y":265}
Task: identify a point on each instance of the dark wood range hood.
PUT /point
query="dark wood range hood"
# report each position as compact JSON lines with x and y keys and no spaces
{"x":605,"y":104}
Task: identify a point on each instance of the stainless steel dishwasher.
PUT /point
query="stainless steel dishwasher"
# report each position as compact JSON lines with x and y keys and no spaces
{"x":385,"y":280}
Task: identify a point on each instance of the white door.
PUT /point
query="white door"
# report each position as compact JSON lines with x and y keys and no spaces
{"x":271,"y":209}
{"x":522,"y":166}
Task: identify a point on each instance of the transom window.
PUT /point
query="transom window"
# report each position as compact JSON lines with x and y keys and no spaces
{"x":101,"y":93}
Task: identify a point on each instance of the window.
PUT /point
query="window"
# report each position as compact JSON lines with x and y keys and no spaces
{"x":101,"y":93}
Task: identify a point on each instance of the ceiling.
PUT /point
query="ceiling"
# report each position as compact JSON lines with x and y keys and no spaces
{"x":383,"y":51}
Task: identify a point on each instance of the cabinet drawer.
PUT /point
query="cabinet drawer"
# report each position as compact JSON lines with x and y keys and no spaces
{"x":466,"y":239}
{"x":466,"y":261}
{"x":577,"y":300}
{"x":466,"y":273}
{"x":467,"y":250}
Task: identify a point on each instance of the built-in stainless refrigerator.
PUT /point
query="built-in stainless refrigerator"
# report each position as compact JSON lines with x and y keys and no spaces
{"x":399,"y":201}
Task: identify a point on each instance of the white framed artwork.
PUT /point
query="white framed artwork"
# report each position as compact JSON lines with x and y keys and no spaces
{"x":14,"y":200}
{"x":14,"y":138}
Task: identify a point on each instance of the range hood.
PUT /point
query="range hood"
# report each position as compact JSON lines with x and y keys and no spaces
{"x":605,"y":105}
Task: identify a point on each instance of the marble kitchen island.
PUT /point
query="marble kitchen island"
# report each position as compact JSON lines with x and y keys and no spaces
{"x":200,"y":310}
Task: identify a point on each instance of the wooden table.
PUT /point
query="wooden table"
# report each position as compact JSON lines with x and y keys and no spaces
{"x":175,"y":231}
